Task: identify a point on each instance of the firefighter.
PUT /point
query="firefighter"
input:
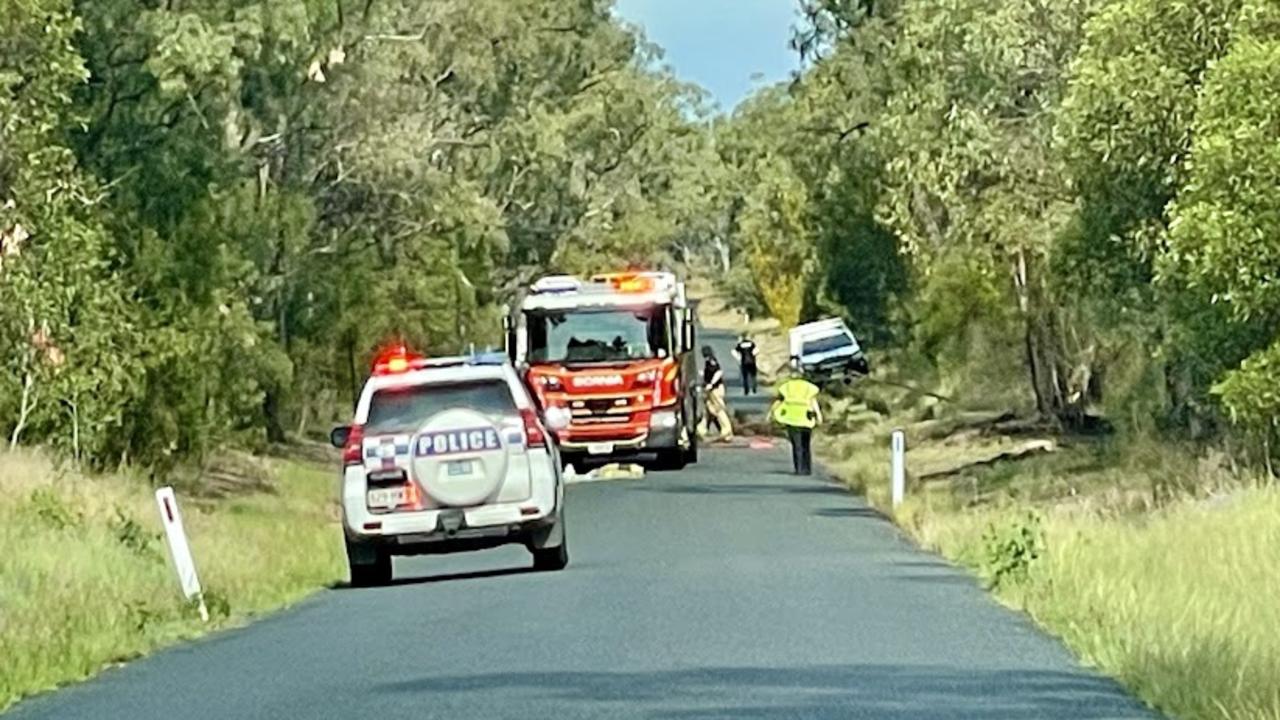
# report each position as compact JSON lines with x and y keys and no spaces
{"x":745,"y":350}
{"x":713,"y":382}
{"x":796,"y":408}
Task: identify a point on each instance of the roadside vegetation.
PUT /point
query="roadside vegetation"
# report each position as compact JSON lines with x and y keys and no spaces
{"x":1057,"y":223}
{"x":1060,"y":218}
{"x":85,"y":580}
{"x":214,"y":213}
{"x":1153,"y":562}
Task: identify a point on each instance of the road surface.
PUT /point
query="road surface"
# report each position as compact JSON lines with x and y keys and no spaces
{"x":730,"y":590}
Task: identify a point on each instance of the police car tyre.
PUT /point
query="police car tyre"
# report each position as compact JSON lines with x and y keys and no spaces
{"x":460,"y":458}
{"x":373,"y":574}
{"x":553,"y":558}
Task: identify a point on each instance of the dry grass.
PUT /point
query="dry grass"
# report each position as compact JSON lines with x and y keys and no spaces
{"x":1155,"y":564}
{"x":84,"y":576}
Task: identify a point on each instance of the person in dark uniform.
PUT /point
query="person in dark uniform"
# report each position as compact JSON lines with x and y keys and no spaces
{"x":713,"y":383}
{"x":745,"y":351}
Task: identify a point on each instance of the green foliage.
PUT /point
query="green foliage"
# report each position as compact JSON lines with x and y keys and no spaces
{"x":1010,"y":550}
{"x":52,"y":511}
{"x":1251,"y":394}
{"x":1076,"y":192}
{"x":213,"y":213}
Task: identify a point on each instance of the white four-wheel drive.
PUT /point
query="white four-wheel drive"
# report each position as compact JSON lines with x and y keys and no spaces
{"x":448,"y":455}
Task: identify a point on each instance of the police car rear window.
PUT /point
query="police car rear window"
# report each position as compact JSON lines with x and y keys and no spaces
{"x":406,"y":408}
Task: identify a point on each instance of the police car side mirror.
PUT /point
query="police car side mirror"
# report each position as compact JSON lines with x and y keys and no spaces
{"x":557,"y":419}
{"x":339,"y":435}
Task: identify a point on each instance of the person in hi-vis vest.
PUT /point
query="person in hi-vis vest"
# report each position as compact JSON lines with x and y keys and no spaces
{"x":796,"y":408}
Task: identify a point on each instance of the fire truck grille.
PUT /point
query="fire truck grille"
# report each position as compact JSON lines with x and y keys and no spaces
{"x":608,"y":420}
{"x":597,"y":411}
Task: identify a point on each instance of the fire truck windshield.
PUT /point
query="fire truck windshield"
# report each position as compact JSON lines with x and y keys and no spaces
{"x":599,"y":335}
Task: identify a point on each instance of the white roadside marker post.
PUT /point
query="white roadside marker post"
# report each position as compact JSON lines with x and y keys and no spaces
{"x":898,"y":466}
{"x":179,"y":550}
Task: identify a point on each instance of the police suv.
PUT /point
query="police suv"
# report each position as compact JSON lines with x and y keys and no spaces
{"x":448,"y":455}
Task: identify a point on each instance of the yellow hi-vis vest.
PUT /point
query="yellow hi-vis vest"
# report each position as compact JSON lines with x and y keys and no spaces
{"x":796,"y":403}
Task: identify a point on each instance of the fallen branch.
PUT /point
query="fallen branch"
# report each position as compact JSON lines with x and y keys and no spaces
{"x":1034,"y":447}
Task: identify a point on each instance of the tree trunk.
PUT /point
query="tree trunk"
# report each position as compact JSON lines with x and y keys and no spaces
{"x":271,"y":410}
{"x":24,"y":409}
{"x":1048,"y":366}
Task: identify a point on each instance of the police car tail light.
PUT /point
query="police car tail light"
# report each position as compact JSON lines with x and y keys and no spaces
{"x":533,"y":434}
{"x":351,"y":452}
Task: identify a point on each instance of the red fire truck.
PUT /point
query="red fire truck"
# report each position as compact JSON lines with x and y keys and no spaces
{"x":617,"y":351}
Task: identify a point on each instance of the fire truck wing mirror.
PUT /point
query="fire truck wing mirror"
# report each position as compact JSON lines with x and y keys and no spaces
{"x":509,"y":337}
{"x":558,"y":419}
{"x":688,"y":338}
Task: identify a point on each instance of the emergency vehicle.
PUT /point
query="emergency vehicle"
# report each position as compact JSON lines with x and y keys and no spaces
{"x":617,"y":351}
{"x":448,"y":455}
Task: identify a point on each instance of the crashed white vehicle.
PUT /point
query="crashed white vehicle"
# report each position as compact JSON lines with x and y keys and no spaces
{"x":826,"y":350}
{"x":448,"y":455}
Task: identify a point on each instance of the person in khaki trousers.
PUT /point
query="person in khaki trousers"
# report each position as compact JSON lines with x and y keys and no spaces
{"x":717,"y":408}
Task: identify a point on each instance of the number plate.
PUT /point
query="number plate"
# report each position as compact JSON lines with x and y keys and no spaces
{"x":385,"y":498}
{"x":600,"y":448}
{"x":460,"y":467}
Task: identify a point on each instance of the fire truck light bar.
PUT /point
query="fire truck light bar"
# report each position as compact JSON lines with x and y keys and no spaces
{"x":557,"y":284}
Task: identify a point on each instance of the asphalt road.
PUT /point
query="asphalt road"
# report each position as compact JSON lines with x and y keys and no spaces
{"x":730,"y":590}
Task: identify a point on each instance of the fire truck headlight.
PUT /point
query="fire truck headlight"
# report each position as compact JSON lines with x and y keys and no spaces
{"x":665,"y":419}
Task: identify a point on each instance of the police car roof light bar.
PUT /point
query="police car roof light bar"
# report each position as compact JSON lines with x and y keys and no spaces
{"x":396,"y":360}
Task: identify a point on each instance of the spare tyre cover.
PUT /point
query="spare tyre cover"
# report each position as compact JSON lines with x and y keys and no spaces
{"x":460,"y":458}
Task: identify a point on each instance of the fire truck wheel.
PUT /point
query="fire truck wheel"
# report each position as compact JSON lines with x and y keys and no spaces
{"x":674,"y":459}
{"x":691,"y":452}
{"x":577,"y":460}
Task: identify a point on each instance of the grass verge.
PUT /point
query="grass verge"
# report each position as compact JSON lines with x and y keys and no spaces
{"x":1153,"y":563}
{"x":1155,"y":566}
{"x":84,"y":575}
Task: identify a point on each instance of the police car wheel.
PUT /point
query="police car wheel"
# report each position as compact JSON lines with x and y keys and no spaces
{"x":371,"y":574}
{"x":551,"y":559}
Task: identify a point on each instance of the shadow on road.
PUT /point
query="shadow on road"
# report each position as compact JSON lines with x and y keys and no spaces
{"x":447,"y":577}
{"x":719,"y":488}
{"x":888,"y":692}
{"x":850,"y":512}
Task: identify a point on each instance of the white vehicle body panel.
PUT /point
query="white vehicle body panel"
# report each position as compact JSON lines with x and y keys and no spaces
{"x":828,"y":360}
{"x":531,"y":491}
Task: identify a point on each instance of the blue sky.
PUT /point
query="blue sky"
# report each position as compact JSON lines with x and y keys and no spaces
{"x":720,"y":44}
